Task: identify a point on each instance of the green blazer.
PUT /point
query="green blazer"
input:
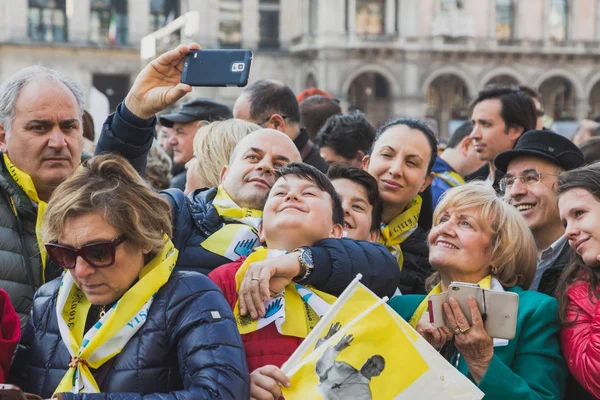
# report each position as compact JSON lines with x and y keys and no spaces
{"x":531,"y":365}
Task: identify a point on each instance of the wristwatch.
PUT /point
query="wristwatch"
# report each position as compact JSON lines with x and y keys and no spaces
{"x":305,"y":258}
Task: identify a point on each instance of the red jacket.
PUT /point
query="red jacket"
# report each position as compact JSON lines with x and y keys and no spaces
{"x":263,"y":347}
{"x":10,"y":331}
{"x":581,"y":340}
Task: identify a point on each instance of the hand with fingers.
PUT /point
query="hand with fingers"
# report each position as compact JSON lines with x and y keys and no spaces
{"x":158,"y":85}
{"x":343,"y":343}
{"x":436,"y":337}
{"x":266,"y":382}
{"x":473,"y":342}
{"x":264,"y":278}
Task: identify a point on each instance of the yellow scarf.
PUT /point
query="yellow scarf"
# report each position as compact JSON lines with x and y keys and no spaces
{"x":111,"y":333}
{"x":401,"y":227}
{"x":239,"y":235}
{"x":295,"y":311}
{"x":451,"y":178}
{"x":26,"y":183}
{"x":485,"y":283}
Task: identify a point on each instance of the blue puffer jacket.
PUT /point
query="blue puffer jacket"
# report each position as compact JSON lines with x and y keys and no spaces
{"x":189,"y":348}
{"x":337,"y":261}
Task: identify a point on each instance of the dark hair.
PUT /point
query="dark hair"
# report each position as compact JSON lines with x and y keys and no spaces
{"x":460,"y":133}
{"x":346,"y":134}
{"x":412,"y":124}
{"x":310,"y":173}
{"x":364,"y":179}
{"x":426,"y":215}
{"x":590,"y":149}
{"x":531,"y":92}
{"x":517,"y":108}
{"x":272,"y":97}
{"x":587,"y":178}
{"x":88,"y":126}
{"x":315,"y":110}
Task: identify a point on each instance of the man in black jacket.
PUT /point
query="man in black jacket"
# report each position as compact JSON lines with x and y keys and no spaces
{"x":41,"y":142}
{"x":272,"y":104}
{"x":203,"y":215}
{"x":532,"y":169}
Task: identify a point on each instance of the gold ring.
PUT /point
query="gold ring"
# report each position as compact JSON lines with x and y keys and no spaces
{"x":464,"y":331}
{"x":457,"y":331}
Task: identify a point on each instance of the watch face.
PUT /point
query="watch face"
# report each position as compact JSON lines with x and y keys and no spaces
{"x":306,"y":257}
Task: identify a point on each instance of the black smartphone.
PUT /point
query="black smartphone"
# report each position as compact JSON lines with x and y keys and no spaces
{"x":217,"y":68}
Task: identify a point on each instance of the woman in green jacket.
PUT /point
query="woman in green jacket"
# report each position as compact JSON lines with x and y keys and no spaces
{"x":479,"y":239}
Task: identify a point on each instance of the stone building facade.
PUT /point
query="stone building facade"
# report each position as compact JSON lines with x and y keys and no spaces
{"x":420,"y":58}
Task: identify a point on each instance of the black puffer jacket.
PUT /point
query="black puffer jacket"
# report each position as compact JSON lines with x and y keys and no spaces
{"x":20,"y":262}
{"x":189,"y":348}
{"x":416,"y":267}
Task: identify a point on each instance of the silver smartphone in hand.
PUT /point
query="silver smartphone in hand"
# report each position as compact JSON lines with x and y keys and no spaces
{"x":500,"y":309}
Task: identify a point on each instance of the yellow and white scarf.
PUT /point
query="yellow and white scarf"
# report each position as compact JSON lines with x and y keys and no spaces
{"x":486,"y":283}
{"x":401,"y":227}
{"x":239,"y":235}
{"x":452,"y":178}
{"x":25,"y":182}
{"x":111,"y":333}
{"x":295,"y":311}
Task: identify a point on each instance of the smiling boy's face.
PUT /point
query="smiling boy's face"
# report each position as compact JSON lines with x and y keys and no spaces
{"x":358,"y":212}
{"x":297,"y":213}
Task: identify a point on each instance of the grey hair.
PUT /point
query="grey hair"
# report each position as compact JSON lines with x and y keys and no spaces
{"x":11,"y":89}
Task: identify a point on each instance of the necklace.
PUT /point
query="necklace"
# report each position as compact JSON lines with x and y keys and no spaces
{"x":102,"y":312}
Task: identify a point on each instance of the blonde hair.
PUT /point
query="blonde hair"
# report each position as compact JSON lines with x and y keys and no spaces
{"x":213,"y":145}
{"x":514,"y":254}
{"x":108,"y":185}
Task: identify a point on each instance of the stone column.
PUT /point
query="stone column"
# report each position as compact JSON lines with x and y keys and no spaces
{"x":78,"y":21}
{"x":138,"y":15}
{"x":250,"y":24}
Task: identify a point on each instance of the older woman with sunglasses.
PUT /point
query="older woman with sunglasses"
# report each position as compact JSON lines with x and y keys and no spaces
{"x":479,"y":239}
{"x":119,"y":321}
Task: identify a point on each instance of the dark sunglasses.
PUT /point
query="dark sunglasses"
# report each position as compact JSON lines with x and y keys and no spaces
{"x":98,"y":255}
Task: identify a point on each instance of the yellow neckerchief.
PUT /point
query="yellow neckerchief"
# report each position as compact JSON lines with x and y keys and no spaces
{"x":451,"y":178}
{"x":111,"y":333}
{"x":298,"y":313}
{"x":26,"y":183}
{"x":401,"y":227}
{"x":485,"y":283}
{"x":239,"y":234}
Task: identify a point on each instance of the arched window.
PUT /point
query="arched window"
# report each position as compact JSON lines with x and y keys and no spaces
{"x":505,"y":15}
{"x":557,"y":20}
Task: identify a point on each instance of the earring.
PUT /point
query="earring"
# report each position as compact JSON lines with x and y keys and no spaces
{"x":494,"y":270}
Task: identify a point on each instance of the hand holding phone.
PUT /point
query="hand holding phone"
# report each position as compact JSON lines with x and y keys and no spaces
{"x":499,"y":309}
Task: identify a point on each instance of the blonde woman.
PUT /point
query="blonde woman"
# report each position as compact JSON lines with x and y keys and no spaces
{"x":477,"y":238}
{"x":213,"y":145}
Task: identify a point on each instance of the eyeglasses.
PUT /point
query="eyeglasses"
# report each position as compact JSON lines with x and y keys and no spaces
{"x":528,"y":178}
{"x":268,"y":119}
{"x":98,"y":255}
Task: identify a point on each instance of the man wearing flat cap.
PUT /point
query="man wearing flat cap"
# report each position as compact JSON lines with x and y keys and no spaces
{"x":185,"y":122}
{"x":532,"y":169}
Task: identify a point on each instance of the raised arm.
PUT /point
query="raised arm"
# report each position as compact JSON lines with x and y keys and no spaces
{"x":130,"y":130}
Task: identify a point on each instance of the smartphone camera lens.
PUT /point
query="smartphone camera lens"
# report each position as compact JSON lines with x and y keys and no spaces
{"x":456,"y":288}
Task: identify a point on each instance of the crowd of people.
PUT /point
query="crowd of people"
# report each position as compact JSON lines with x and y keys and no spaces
{"x":145,"y":270}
